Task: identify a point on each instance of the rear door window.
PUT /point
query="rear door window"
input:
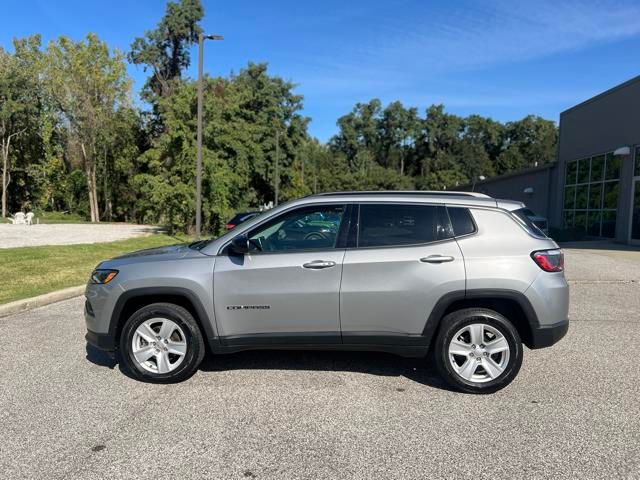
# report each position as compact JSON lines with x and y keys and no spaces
{"x":386,"y":225}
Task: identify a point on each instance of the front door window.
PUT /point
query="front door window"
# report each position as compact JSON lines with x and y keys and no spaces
{"x":308,"y":228}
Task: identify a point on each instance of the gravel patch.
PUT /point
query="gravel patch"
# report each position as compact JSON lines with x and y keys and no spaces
{"x":12,"y":236}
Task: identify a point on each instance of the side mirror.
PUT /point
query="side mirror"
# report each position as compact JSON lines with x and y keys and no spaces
{"x":240,"y":244}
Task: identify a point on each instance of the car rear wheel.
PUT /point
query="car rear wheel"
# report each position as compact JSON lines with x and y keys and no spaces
{"x":478,"y":350}
{"x":162,"y":343}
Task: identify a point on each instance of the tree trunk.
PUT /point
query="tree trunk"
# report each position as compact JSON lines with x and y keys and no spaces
{"x":5,"y":179}
{"x":6,"y":175}
{"x":90,"y":172}
{"x":92,"y":206}
{"x":108,"y":210}
{"x":94,"y":185}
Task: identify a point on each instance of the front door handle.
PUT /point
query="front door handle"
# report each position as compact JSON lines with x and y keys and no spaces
{"x":437,"y":259}
{"x":319,"y":264}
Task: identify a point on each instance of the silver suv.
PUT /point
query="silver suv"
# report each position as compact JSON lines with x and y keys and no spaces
{"x":462,"y":275}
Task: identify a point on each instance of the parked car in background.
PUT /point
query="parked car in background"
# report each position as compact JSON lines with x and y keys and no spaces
{"x":240,"y":218}
{"x":538,"y":220}
{"x":459,"y":274}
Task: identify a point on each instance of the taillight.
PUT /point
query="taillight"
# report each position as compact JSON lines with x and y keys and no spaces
{"x":549,"y":260}
{"x":230,"y":226}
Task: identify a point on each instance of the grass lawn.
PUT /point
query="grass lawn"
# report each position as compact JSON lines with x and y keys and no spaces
{"x":29,"y":271}
{"x":58,"y":217}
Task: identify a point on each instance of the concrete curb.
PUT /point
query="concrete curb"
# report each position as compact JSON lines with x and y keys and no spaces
{"x":40,"y":300}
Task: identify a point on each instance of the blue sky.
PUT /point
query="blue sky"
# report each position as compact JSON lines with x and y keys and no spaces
{"x":500,"y":58}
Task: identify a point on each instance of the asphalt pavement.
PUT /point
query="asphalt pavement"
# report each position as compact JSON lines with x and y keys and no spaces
{"x":573,"y":411}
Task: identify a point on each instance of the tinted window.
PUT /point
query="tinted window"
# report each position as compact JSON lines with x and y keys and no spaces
{"x":524,"y":218}
{"x":389,"y":225}
{"x":309,"y":228}
{"x":461,"y":221}
{"x":242,"y":217}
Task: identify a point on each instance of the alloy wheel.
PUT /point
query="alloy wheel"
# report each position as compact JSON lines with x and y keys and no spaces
{"x":479,"y":353}
{"x":159,"y":345}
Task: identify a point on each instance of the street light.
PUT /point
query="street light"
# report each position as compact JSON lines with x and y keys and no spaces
{"x":201,"y":39}
{"x":482,"y":178}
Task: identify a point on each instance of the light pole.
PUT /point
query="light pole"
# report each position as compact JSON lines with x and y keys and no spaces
{"x":277,"y":173}
{"x":482,"y":178}
{"x":201,"y":39}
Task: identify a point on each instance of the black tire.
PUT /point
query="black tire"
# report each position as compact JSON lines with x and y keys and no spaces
{"x":453,"y":323}
{"x":193,"y":338}
{"x":314,"y":236}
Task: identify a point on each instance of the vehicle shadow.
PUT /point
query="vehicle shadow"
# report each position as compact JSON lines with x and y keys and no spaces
{"x":100,"y":358}
{"x":371,"y":363}
{"x":418,"y":370}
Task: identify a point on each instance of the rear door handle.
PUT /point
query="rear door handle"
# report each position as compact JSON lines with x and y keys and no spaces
{"x":319,"y":264}
{"x":437,"y":259}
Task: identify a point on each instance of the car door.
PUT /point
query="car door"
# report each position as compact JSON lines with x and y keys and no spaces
{"x":402,"y":266}
{"x":286,"y":288}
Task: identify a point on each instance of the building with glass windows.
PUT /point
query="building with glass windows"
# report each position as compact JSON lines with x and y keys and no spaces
{"x":595,"y":184}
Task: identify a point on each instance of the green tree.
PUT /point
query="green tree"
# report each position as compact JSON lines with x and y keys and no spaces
{"x":165,"y":50}
{"x":243,"y":114}
{"x":88,"y":83}
{"x":19,"y":102}
{"x":398,"y":129}
{"x":535,"y":138}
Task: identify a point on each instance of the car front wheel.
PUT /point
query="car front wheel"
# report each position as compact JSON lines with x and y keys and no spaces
{"x":478,"y":350}
{"x":162,"y":343}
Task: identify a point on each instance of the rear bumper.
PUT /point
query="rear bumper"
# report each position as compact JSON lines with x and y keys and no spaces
{"x":547,"y":335}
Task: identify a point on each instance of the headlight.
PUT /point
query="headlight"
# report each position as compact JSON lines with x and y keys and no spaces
{"x":103,"y":276}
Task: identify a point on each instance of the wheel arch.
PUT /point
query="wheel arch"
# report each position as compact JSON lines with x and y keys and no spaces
{"x":131,"y":301}
{"x":512,"y":304}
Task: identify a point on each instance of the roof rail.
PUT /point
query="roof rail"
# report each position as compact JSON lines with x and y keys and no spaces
{"x":436,"y":193}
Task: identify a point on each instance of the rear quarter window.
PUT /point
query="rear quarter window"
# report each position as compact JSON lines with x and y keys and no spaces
{"x":461,"y":221}
{"x":522,"y":215}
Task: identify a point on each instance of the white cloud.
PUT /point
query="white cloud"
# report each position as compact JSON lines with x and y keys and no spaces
{"x":428,"y":40}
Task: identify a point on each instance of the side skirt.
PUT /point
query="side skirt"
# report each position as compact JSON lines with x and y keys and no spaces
{"x":403,"y":345}
{"x":401,"y":350}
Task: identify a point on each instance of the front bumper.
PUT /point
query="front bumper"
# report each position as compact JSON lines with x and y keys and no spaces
{"x":547,"y":335}
{"x":102,"y":341}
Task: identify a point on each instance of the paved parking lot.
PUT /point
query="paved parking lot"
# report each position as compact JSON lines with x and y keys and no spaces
{"x":573,"y":412}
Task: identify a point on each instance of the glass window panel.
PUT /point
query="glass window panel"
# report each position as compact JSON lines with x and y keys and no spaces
{"x":608,"y":224}
{"x":611,"y":195}
{"x":636,"y":170}
{"x":593,"y":223}
{"x":308,"y":228}
{"x":461,"y":221}
{"x":635,"y":222}
{"x":572,"y":169}
{"x":569,"y":197}
{"x":582,"y":196}
{"x":568,"y":218}
{"x":389,"y":225}
{"x":612,"y":170}
{"x":595,"y":196}
{"x":583,"y":170}
{"x":580,"y":220}
{"x":597,"y":168}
